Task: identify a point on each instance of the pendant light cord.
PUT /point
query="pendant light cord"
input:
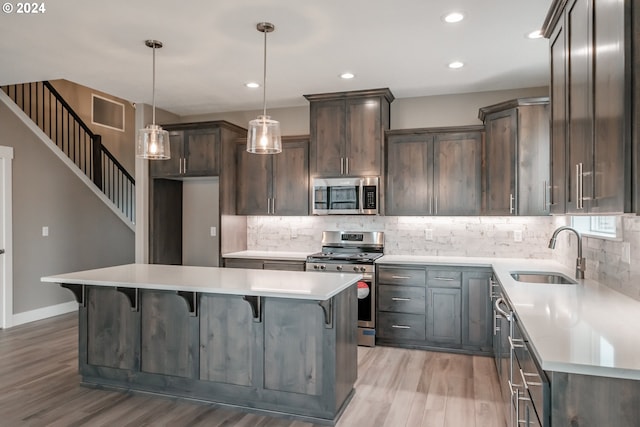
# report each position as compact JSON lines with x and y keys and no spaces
{"x":153,"y":92}
{"x":264,"y":77}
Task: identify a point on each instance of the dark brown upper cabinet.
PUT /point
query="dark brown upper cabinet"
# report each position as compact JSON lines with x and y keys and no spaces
{"x":276,"y":184}
{"x":347,"y":132}
{"x":195,"y":150}
{"x":434,"y":171}
{"x":516,"y":157}
{"x":592,"y":99}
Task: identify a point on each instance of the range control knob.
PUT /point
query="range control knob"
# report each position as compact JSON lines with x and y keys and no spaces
{"x":362,"y":269}
{"x":355,"y":268}
{"x":315,"y":267}
{"x":339,"y":268}
{"x":323,"y":267}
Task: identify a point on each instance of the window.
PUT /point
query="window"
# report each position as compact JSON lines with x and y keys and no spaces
{"x":606,"y":227}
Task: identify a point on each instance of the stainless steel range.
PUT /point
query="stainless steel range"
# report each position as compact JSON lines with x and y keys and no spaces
{"x":354,"y":251}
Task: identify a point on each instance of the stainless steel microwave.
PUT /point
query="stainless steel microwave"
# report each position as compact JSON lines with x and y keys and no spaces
{"x":345,"y":196}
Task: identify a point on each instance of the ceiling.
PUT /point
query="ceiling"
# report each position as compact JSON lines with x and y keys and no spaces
{"x":212,"y":48}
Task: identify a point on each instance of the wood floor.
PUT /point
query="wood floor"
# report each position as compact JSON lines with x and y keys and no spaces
{"x":39,"y":386}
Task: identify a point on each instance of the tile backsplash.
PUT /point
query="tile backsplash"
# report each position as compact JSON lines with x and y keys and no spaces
{"x":464,"y":236}
{"x":445,"y":236}
{"x":605,"y":260}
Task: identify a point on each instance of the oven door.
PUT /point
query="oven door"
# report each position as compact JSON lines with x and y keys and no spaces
{"x":366,"y":301}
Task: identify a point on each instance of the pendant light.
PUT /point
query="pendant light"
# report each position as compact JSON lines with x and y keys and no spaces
{"x":153,"y":141}
{"x":264,"y":134}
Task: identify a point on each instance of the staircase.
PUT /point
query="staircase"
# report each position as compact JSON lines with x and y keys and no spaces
{"x":51,"y":113}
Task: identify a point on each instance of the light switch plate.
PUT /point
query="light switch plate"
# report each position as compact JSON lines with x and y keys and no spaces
{"x":213,"y":231}
{"x":45,"y":231}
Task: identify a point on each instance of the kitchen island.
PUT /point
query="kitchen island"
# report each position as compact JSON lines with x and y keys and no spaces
{"x":277,"y":342}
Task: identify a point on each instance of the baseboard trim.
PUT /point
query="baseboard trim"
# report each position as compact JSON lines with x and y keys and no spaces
{"x":44,"y":313}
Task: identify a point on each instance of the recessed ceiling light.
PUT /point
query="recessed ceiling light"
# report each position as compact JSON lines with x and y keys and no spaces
{"x":347,"y":76}
{"x":456,"y":64}
{"x":252,"y":85}
{"x":537,"y":34}
{"x":453,"y":17}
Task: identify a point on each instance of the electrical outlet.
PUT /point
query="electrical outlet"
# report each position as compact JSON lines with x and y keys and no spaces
{"x":428,"y":234}
{"x":626,"y":252}
{"x":45,"y":231}
{"x":213,"y":231}
{"x":517,"y":235}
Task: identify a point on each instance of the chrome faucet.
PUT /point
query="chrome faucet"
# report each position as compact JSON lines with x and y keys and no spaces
{"x":580,"y":262}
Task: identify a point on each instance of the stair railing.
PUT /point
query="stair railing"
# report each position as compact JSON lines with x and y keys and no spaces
{"x":55,"y":117}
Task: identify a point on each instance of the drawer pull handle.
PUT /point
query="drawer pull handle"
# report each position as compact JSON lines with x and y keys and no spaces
{"x":400,"y":299}
{"x":400,"y":327}
{"x":515,"y":343}
{"x":446,"y":279}
{"x":533,"y":383}
{"x":401,"y":277}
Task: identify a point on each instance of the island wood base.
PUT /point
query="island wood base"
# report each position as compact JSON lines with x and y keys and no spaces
{"x":291,"y":357}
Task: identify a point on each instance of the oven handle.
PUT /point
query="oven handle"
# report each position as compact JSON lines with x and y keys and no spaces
{"x":361,"y":207}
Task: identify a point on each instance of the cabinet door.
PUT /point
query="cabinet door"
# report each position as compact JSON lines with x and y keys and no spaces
{"x":293,"y":358}
{"x":580,"y":108}
{"x":112,"y":327}
{"x":457,"y":174}
{"x":229,"y":340}
{"x":201,"y":153}
{"x":558,"y":177}
{"x":477,"y":322}
{"x":172,"y":166}
{"x":168,"y":335}
{"x":165,"y":228}
{"x":612,"y":132}
{"x":363,"y":151}
{"x":291,"y":179}
{"x":443,"y":316}
{"x":500,"y":162}
{"x":533,"y":159}
{"x":409,"y":175}
{"x":253,"y":189}
{"x":328,"y":134}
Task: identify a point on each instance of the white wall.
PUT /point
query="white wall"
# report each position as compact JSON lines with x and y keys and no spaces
{"x":406,"y":113}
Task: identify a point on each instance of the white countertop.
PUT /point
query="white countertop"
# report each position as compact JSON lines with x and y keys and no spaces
{"x":214,"y":280}
{"x":271,"y":255}
{"x":585,"y":329}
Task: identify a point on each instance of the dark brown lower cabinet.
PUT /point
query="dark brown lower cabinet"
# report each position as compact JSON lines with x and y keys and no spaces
{"x":110,"y":330}
{"x":434,"y":307}
{"x":290,"y":356}
{"x":265,"y":264}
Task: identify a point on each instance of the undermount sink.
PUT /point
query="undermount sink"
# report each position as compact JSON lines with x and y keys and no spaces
{"x":542,"y":277}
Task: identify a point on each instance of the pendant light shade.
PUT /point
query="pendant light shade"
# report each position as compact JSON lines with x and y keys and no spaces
{"x":152,"y":141}
{"x":264,"y":136}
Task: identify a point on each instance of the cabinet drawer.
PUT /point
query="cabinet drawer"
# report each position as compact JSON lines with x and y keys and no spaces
{"x":401,"y":326}
{"x":402,"y":299}
{"x":444,"y":279}
{"x":401,"y":276}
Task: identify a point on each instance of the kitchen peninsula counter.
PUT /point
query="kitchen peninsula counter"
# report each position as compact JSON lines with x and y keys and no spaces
{"x":280,"y":342}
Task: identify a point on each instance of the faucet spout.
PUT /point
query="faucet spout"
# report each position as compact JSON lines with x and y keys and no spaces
{"x":580,"y":261}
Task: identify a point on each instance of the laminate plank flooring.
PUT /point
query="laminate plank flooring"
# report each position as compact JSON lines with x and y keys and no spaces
{"x":40,"y":386}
